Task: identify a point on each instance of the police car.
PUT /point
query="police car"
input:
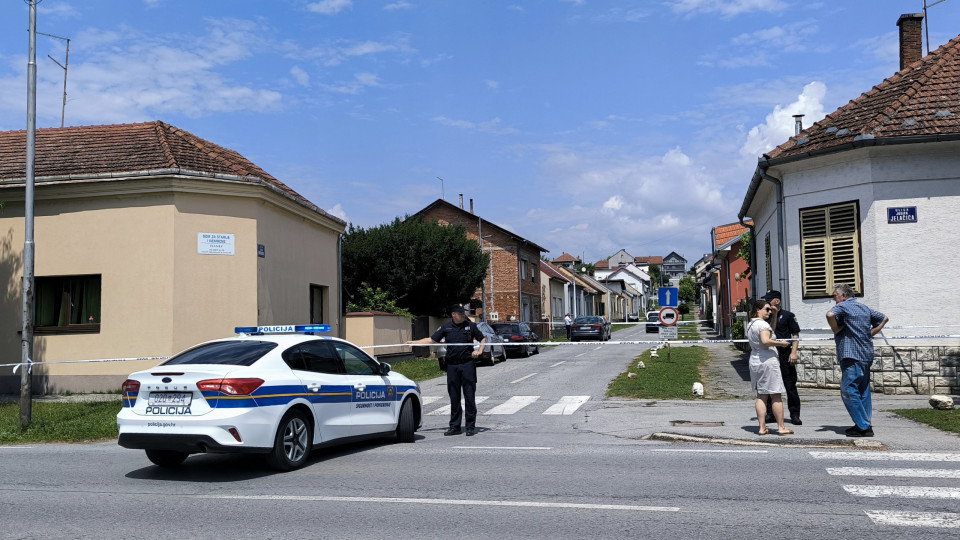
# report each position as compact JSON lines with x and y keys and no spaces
{"x":280,"y":391}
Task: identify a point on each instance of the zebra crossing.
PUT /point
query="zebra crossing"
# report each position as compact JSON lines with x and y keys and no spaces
{"x":877,"y":472}
{"x":565,"y":406}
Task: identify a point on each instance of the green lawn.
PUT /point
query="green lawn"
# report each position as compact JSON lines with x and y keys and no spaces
{"x":662,"y":378}
{"x":419,"y":369}
{"x":943,"y":420}
{"x":60,"y":422}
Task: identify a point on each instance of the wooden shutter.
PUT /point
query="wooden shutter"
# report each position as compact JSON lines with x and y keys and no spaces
{"x":830,"y":249}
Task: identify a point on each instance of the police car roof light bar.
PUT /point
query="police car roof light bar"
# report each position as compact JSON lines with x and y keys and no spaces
{"x":283,"y":329}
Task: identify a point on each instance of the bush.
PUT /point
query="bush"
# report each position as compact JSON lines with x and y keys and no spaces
{"x":736,"y":331}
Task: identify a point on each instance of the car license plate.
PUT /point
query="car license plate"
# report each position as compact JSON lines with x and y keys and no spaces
{"x":170,"y":398}
{"x":585,"y":327}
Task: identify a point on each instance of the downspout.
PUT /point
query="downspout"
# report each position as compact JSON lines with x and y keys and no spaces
{"x":781,"y":256}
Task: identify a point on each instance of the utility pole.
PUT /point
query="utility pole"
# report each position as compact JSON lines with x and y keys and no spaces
{"x":64,"y":66}
{"x":26,"y":339}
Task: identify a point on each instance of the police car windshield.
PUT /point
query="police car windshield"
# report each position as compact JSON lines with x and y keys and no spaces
{"x":227,"y":353}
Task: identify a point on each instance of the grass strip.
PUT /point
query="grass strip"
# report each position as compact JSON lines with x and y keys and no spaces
{"x":418,"y":369}
{"x":948,"y":421}
{"x":662,"y":378}
{"x":60,"y":422}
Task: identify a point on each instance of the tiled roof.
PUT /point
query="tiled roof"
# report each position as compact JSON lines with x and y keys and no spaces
{"x":922,"y":100}
{"x":565,"y":257}
{"x":653,"y":259}
{"x":90,"y":151}
{"x":602,"y":264}
{"x":724,"y":233}
{"x":549,"y":270}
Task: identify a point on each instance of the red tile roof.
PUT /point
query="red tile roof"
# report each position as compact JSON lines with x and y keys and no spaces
{"x":565,"y":257}
{"x":90,"y":151}
{"x":602,"y":264}
{"x":653,"y":259}
{"x":724,"y":233}
{"x":921,"y":100}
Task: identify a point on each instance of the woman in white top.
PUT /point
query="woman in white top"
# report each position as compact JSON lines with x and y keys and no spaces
{"x":765,"y":367}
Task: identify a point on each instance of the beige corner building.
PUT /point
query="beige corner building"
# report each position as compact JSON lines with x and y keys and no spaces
{"x":149,"y":240}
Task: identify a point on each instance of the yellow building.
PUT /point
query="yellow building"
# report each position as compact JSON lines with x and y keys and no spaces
{"x":149,"y":240}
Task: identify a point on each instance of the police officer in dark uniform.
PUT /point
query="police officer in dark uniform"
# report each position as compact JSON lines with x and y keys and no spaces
{"x":461,"y":371}
{"x":786,"y":327}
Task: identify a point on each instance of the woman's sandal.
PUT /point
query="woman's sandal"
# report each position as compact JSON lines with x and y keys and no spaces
{"x":785,"y":432}
{"x":763,"y":432}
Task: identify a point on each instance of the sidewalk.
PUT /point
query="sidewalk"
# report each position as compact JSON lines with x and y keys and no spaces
{"x":727,"y":416}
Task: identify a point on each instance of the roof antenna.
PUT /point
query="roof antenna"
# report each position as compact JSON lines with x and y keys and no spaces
{"x":926,"y":21}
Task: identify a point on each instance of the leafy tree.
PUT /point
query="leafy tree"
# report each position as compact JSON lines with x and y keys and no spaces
{"x":656,"y":276}
{"x":688,"y":289}
{"x":375,"y":299}
{"x":424,"y":267}
{"x":744,"y":251}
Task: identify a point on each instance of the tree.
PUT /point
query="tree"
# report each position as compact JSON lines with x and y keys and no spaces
{"x":375,"y":299}
{"x":688,"y":289}
{"x":422,"y":267}
{"x":656,"y":277}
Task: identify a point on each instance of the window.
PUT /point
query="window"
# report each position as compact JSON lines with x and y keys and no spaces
{"x":316,"y":304}
{"x":315,"y":356}
{"x":767,"y":258}
{"x":224,"y":353}
{"x":523,"y":269}
{"x":67,"y":304}
{"x":354,"y":361}
{"x":830,"y":248}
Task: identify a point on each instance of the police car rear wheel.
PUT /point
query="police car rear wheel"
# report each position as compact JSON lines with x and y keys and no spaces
{"x":406,"y":424}
{"x":166,"y":458}
{"x":291,"y":446}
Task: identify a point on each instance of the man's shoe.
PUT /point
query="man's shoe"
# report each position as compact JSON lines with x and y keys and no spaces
{"x":795,"y":420}
{"x":451,"y":431}
{"x":857,"y":432}
{"x":470,"y":432}
{"x":853,"y":429}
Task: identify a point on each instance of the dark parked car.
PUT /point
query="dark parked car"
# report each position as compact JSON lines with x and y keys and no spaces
{"x":517,"y":335}
{"x":633,"y":317}
{"x":493,"y":350}
{"x":591,"y":327}
{"x":653,"y":321}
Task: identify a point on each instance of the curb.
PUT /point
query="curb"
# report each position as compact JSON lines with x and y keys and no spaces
{"x":857,"y":444}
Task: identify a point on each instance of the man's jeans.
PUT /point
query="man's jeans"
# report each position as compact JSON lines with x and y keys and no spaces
{"x":855,"y":391}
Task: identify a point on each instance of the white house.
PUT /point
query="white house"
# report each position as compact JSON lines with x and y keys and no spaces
{"x":868,"y":196}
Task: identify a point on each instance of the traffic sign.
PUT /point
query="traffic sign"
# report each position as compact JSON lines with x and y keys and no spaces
{"x":669,"y":296}
{"x":668,"y":332}
{"x":669,"y":316}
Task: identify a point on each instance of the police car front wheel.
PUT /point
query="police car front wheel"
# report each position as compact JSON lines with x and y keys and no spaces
{"x":291,"y":446}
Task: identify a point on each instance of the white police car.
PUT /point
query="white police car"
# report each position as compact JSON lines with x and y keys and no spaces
{"x":280,"y":391}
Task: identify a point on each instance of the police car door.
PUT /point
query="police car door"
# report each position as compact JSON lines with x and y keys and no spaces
{"x":374,"y":398}
{"x":320,"y":370}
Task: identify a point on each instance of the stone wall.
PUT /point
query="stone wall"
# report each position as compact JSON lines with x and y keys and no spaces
{"x":896,"y":370}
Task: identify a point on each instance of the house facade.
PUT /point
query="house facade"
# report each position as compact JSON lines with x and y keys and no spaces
{"x":731,"y":285}
{"x":148,"y":241}
{"x":868,"y":197}
{"x":674,"y":265}
{"x":511,"y":288}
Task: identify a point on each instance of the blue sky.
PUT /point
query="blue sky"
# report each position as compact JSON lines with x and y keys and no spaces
{"x":584,"y":126}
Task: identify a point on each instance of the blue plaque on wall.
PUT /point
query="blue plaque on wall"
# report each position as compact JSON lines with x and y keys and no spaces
{"x":902,"y":214}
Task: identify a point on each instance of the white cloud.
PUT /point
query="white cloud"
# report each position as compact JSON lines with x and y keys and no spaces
{"x":338,"y":211}
{"x":329,"y":7}
{"x":398,"y":5}
{"x":360,"y":82}
{"x":493,"y":126}
{"x":493,"y":85}
{"x":726,"y":8}
{"x":301,"y":76}
{"x":779,"y":124}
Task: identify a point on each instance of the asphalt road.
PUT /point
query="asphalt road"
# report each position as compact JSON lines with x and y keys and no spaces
{"x":526,"y":474}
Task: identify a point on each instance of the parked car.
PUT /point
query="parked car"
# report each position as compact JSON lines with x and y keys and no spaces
{"x":653,"y":321}
{"x":491,"y":353}
{"x":517,"y":334}
{"x":279,"y":391}
{"x":633,"y":317}
{"x":590,"y":327}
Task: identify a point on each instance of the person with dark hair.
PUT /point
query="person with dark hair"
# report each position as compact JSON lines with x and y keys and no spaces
{"x":461,"y":370}
{"x":854,"y":326}
{"x":765,"y":375}
{"x":785,"y":327}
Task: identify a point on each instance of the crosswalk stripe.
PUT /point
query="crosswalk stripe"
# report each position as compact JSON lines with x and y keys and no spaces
{"x":901,"y":473}
{"x":512,"y":405}
{"x":429,"y":399}
{"x":445,"y":410}
{"x":567,"y":405}
{"x":887,"y":456}
{"x":908,"y":492}
{"x":945,"y":520}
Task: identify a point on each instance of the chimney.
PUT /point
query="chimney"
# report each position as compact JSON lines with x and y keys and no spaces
{"x":797,"y":123}
{"x":911,"y":38}
{"x":471,"y":205}
{"x":461,"y":201}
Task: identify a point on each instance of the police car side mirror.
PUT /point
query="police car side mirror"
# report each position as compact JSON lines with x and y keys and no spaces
{"x":384,"y":368}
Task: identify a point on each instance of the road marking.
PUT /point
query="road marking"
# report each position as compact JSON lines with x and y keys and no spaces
{"x":945,"y":520}
{"x":579,"y":355}
{"x":459,"y":502}
{"x":711,"y":451}
{"x":445,"y":410}
{"x":504,"y":447}
{"x":903,"y":473}
{"x":429,"y":399}
{"x":887,"y":456}
{"x":567,"y":405}
{"x":908,"y":492}
{"x":512,"y":405}
{"x":558,"y":363}
{"x":522,"y":378}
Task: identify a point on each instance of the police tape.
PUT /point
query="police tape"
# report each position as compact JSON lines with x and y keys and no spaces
{"x":17,"y":365}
